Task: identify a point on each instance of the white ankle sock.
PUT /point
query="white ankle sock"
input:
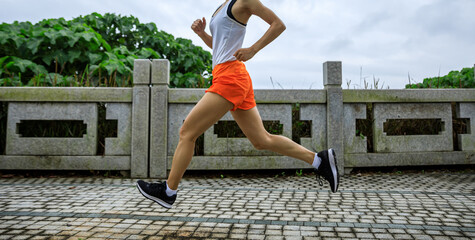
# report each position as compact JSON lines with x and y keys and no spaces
{"x":169,"y":191}
{"x":316,"y":161}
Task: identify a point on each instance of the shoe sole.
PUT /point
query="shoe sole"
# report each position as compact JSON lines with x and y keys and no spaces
{"x":333,"y":166}
{"x":157,"y":200}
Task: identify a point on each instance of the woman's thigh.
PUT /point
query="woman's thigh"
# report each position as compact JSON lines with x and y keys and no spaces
{"x":251,"y":124}
{"x":206,"y":112}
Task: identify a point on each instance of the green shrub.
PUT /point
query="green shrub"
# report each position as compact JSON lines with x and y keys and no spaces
{"x":455,"y":79}
{"x":94,"y":50}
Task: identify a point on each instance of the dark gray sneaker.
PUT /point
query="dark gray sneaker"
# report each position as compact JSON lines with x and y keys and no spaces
{"x":328,"y":169}
{"x":156,"y":192}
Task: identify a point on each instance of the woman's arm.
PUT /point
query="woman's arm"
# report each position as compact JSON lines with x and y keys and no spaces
{"x":199,"y":27}
{"x":255,"y":7}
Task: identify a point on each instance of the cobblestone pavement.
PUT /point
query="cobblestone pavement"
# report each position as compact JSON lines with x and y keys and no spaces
{"x":379,"y":206}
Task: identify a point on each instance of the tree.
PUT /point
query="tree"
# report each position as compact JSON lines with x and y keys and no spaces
{"x":94,"y":50}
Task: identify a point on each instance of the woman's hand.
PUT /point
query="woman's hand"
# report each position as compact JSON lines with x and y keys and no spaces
{"x":245,"y":54}
{"x":199,"y":26}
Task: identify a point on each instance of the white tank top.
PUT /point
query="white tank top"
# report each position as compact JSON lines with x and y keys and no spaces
{"x":228,"y":34}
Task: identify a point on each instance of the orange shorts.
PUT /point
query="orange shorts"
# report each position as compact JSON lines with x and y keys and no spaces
{"x":232,"y":81}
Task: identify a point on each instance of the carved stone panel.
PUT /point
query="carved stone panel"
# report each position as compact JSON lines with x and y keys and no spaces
{"x":79,"y":146}
{"x":176,"y":115}
{"x":353,"y":143}
{"x":412,"y":143}
{"x":467,"y":141}
{"x":317,"y":113}
{"x":214,"y":146}
{"x":121,"y":145}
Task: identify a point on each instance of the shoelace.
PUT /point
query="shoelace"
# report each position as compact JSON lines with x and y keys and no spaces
{"x":319,"y":179}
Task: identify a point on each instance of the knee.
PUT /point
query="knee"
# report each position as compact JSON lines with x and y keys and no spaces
{"x":259,"y":146}
{"x":187,"y":135}
{"x":262,"y":143}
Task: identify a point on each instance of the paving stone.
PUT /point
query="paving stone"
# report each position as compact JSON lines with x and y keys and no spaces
{"x":422,"y":237}
{"x":256,"y":237}
{"x":408,"y":206}
{"x":328,"y":234}
{"x":21,"y":237}
{"x":346,"y":235}
{"x":383,"y":236}
{"x":379,"y":230}
{"x":402,"y":236}
{"x":396,"y":231}
{"x":273,"y":232}
{"x":119,"y":236}
{"x":365,"y":235}
{"x":219,"y":235}
{"x":274,"y":238}
{"x":441,"y":237}
{"x":237,"y":236}
{"x":40,"y":237}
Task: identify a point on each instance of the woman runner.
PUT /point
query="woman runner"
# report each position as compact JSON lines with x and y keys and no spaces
{"x":232,"y":90}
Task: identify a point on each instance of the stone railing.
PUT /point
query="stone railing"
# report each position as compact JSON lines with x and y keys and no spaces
{"x":149,"y":117}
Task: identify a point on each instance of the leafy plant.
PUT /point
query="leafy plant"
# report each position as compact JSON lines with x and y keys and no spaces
{"x":281,"y":174}
{"x":94,"y":50}
{"x":454,"y":79}
{"x":359,"y":133}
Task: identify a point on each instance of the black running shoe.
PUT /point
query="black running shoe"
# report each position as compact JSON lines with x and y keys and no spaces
{"x":328,"y":169}
{"x":156,"y":192}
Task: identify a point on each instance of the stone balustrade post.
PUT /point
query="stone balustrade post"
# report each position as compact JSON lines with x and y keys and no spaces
{"x":332,"y":79}
{"x":139,"y":162}
{"x":159,"y":118}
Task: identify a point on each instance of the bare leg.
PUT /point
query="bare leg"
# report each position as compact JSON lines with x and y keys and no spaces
{"x":206,"y":112}
{"x":251,"y":124}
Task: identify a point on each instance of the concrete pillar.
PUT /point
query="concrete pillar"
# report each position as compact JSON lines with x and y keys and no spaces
{"x":332,"y":79}
{"x":159,"y":118}
{"x":467,"y":141}
{"x":139,"y":163}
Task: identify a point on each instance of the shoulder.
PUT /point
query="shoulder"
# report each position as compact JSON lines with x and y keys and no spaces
{"x":251,"y":4}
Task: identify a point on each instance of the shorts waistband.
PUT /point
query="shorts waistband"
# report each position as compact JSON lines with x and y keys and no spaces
{"x":226,"y":64}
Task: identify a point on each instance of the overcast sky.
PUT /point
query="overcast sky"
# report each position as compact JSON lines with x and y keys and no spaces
{"x":386,"y":40}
